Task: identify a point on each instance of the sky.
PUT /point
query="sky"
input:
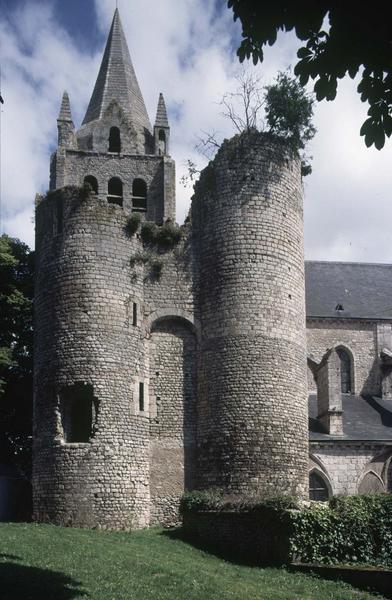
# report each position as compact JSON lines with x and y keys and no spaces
{"x":186,"y":50}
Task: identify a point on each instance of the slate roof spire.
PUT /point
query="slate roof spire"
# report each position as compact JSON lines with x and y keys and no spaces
{"x":65,"y":109}
{"x":117,"y":81}
{"x":161,"y":118}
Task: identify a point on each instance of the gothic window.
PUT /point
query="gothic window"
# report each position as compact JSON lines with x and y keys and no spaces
{"x":345,"y":370}
{"x":78,"y":412}
{"x":139,"y":195}
{"x":318,"y":489}
{"x":91,"y":180}
{"x":115,"y":191}
{"x":114,"y":140}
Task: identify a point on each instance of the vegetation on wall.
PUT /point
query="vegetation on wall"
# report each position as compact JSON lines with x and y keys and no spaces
{"x":157,"y":239}
{"x":283,"y":109}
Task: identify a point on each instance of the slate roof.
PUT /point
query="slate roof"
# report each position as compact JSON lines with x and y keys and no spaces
{"x":363,"y":289}
{"x":161,"y":118}
{"x":65,"y":109}
{"x":117,"y":81}
{"x":364,"y":418}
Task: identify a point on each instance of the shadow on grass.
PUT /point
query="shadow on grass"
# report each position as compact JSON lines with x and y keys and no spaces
{"x":371,"y":580}
{"x":246,"y":560}
{"x":20,"y":582}
{"x":365,"y":579}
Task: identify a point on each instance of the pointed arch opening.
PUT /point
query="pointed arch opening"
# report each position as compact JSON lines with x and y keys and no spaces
{"x":92,"y":182}
{"x":345,"y":370}
{"x":139,"y":195}
{"x":371,"y":483}
{"x":114,"y":140}
{"x":319,"y":488}
{"x":115,"y":191}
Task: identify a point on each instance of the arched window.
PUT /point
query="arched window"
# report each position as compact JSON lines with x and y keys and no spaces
{"x":162,"y":141}
{"x":139,"y":195}
{"x":115,"y":191}
{"x":318,"y":489}
{"x":114,"y":140}
{"x":91,"y":180}
{"x":345,"y":370}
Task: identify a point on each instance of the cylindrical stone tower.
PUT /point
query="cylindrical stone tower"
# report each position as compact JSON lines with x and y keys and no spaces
{"x":252,"y":405}
{"x":90,"y":438}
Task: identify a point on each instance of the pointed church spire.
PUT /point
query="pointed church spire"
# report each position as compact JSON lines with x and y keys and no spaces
{"x":117,"y":81}
{"x":65,"y":109}
{"x":65,"y":126}
{"x":161,"y":118}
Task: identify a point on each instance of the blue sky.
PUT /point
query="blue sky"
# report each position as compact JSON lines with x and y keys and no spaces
{"x":185,"y":49}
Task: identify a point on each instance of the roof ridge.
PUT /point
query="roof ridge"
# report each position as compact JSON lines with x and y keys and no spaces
{"x":343,"y":262}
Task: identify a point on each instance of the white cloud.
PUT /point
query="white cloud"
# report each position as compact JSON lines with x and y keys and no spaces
{"x":186,"y":51}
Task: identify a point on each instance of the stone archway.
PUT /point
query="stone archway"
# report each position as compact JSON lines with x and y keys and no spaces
{"x":172,"y":415}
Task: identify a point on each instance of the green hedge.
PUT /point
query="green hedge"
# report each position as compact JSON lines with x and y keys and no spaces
{"x":351,"y":529}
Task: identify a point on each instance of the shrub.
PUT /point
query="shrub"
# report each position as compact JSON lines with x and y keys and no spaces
{"x":351,"y":529}
{"x":149,"y":232}
{"x":140,"y":258}
{"x":133,"y":224}
{"x":214,"y":499}
{"x":169,"y":235}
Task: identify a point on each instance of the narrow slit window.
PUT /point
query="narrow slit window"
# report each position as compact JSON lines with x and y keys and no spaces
{"x":134,"y":314}
{"x":345,"y":371}
{"x":114,"y":140}
{"x":115,"y":191}
{"x":141,"y":396}
{"x":139,"y":195}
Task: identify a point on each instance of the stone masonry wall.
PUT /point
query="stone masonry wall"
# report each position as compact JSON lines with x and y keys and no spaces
{"x":345,"y":464}
{"x":87,"y":285}
{"x":252,"y":397}
{"x":157,"y":171}
{"x":360,"y":337}
{"x":84,"y":335}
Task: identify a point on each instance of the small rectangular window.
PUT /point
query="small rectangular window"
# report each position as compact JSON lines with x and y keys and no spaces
{"x":141,"y":396}
{"x":78,"y":412}
{"x":134,"y":315}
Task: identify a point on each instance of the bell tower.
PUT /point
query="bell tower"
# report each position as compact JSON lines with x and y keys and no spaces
{"x":116,"y":150}
{"x":91,"y":427}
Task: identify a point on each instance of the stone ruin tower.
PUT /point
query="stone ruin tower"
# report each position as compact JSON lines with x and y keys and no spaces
{"x":193,"y":375}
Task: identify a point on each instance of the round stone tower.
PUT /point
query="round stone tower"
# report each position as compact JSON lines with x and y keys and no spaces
{"x":252,"y":404}
{"x":91,"y":425}
{"x":91,"y":438}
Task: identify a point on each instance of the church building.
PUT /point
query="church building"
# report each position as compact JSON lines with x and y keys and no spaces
{"x":176,"y":358}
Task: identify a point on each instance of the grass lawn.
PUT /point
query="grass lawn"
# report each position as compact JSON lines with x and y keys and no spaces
{"x":54,"y":563}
